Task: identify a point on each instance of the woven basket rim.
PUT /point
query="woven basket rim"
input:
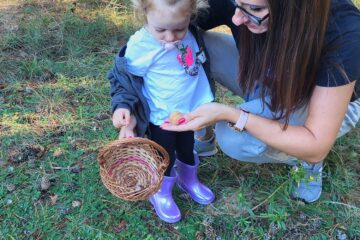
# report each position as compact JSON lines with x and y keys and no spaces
{"x":131,"y":141}
{"x":110,"y":182}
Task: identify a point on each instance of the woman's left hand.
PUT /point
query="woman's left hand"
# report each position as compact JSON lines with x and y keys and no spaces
{"x":201,"y":117}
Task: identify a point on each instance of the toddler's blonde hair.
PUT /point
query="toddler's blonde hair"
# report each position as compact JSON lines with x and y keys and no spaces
{"x":141,"y":6}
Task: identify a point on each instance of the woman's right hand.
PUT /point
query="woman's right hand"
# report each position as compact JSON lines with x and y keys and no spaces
{"x":203,"y":116}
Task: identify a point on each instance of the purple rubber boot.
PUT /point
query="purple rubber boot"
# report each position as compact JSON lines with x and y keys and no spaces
{"x":163,"y":202}
{"x":188,"y":182}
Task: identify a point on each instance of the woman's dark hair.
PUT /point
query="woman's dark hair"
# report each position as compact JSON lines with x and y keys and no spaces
{"x":285,"y":59}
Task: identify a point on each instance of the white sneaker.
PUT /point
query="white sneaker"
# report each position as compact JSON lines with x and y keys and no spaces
{"x":205,"y":148}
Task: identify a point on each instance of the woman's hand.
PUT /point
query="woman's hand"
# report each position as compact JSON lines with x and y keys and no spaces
{"x":203,"y":116}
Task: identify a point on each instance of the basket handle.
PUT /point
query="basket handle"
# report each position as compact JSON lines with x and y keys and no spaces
{"x":102,"y":154}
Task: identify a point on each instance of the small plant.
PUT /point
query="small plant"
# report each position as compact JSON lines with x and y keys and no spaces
{"x":298,"y":173}
{"x":276,"y":214}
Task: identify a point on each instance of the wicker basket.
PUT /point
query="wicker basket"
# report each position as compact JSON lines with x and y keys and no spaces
{"x":133,"y":168}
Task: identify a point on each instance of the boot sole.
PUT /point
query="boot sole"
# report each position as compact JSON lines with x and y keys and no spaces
{"x":292,"y":196}
{"x":162,"y":218}
{"x":207,"y":154}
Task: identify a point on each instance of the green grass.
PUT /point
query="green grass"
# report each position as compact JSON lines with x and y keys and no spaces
{"x":54,"y":116}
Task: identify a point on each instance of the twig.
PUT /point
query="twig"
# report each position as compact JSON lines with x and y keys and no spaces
{"x":338,"y":225}
{"x":60,"y":168}
{"x":266,"y":199}
{"x":342,"y":204}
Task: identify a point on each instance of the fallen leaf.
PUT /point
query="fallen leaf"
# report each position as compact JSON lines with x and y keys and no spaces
{"x":38,"y":150}
{"x":58,"y":152}
{"x":76,"y":204}
{"x":121,"y":226}
{"x":44,"y":183}
{"x":10,"y":187}
{"x":15,"y":155}
{"x":2,"y":85}
{"x":53,"y":199}
{"x":79,"y":143}
{"x":77,"y":167}
{"x":62,"y":223}
{"x":28,"y":90}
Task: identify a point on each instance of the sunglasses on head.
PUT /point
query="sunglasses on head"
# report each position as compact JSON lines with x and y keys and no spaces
{"x":251,"y":17}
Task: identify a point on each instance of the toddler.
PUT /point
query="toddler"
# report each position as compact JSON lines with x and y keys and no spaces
{"x":160,"y":71}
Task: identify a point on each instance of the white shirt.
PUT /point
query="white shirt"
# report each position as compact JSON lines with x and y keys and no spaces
{"x":167,"y":86}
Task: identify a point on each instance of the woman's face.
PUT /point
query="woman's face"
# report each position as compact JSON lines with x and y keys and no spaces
{"x":253,"y":14}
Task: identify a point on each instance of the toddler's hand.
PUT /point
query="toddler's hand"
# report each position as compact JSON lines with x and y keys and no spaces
{"x":121,"y":117}
{"x":128,"y":131}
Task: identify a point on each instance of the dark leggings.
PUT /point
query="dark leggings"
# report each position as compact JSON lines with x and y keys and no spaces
{"x":180,"y":142}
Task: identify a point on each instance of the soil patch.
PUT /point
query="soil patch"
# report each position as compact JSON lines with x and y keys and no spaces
{"x":9,"y":15}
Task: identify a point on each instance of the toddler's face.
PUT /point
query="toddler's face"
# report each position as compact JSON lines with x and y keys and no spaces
{"x":168,"y":23}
